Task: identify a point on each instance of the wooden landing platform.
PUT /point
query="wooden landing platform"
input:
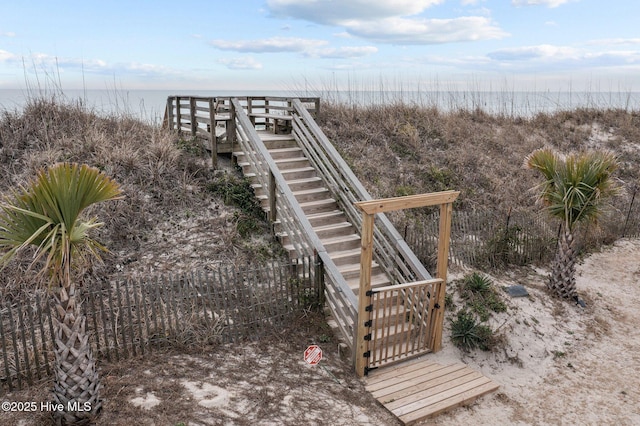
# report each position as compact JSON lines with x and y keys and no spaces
{"x":418,"y":389}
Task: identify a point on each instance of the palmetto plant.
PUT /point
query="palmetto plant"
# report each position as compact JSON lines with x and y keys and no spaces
{"x":47,"y":215}
{"x":573,"y":190}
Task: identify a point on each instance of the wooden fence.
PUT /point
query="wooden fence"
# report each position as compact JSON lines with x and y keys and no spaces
{"x":496,"y":239}
{"x":133,"y":317}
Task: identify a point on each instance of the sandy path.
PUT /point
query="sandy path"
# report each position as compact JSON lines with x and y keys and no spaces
{"x":576,"y":366}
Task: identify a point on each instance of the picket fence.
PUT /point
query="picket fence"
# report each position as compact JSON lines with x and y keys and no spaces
{"x":127,"y":317}
{"x":485,"y":239}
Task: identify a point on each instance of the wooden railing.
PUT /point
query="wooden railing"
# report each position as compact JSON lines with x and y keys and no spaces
{"x":287,"y":214}
{"x":237,"y":120}
{"x":210,"y":119}
{"x":391,"y":251}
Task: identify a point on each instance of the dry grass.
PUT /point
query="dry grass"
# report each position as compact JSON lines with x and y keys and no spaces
{"x":164,"y":181}
{"x":401,"y":149}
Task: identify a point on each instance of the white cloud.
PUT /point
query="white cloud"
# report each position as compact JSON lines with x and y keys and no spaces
{"x":44,"y":61}
{"x":426,"y":31}
{"x":342,"y":52}
{"x":307,"y":47}
{"x":8,"y":34}
{"x":6,"y":56}
{"x":343,"y":34}
{"x":242,"y":63}
{"x":271,"y":45}
{"x":548,"y":3}
{"x":336,"y":11}
{"x":389,"y":21}
{"x":543,"y":51}
{"x":545,"y":57}
{"x":615,"y":41}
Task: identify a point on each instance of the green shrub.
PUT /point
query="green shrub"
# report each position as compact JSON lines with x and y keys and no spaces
{"x":236,"y":191}
{"x":467,"y":333}
{"x":191,"y":146}
{"x":480,"y":295}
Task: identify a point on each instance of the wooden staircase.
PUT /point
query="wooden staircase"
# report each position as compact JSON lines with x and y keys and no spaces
{"x":383,"y":302}
{"x":331,"y":225}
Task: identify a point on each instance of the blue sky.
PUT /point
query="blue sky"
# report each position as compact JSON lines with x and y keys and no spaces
{"x":290,"y":44}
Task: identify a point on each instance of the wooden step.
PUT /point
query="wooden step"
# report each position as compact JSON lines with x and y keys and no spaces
{"x":341,"y":243}
{"x":292,"y":163}
{"x":290,"y":174}
{"x":342,"y":229}
{"x":379,"y":280}
{"x":301,"y":173}
{"x":352,"y":270}
{"x":276,"y":153}
{"x":308,"y":183}
{"x":313,"y":194}
{"x":291,"y":152}
{"x":298,"y":184}
{"x":427,"y":389}
{"x":304,"y":196}
{"x":283,"y":164}
{"x":326,"y":218}
{"x":333,"y":230}
{"x":345,"y":257}
{"x":318,"y":206}
{"x":270,"y":137}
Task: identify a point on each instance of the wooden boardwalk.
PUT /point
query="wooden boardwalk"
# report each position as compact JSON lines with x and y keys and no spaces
{"x":419,"y":389}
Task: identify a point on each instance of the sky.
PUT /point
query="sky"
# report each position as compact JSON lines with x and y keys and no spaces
{"x":576,"y":45}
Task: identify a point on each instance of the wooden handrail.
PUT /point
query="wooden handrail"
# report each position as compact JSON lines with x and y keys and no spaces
{"x":406,"y":285}
{"x":408,"y":202}
{"x":346,"y":186}
{"x":295,"y":223}
{"x":287,"y":196}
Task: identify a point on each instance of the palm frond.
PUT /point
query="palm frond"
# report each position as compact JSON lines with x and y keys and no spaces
{"x":575,"y":185}
{"x":45,"y":214}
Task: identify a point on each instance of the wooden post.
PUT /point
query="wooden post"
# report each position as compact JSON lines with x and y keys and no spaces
{"x":231,"y":125}
{"x":272,"y":197}
{"x":212,"y":133}
{"x":167,"y":122}
{"x":437,"y":315}
{"x":319,"y":278}
{"x":178,"y":116}
{"x":192,"y":117}
{"x":366,"y":257}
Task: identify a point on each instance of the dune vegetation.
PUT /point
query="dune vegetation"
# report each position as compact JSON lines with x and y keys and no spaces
{"x":171,"y":196}
{"x":178,"y":214}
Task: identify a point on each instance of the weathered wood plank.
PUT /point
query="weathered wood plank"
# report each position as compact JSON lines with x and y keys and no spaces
{"x":400,"y":373}
{"x":386,"y":373}
{"x":413,"y":382}
{"x":407,"y":202}
{"x":423,"y":382}
{"x":461,"y":399}
{"x":417,"y":389}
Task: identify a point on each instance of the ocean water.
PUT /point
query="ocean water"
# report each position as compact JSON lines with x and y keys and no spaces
{"x":149,"y":105}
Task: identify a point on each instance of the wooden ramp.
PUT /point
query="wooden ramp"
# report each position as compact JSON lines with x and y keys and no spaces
{"x":418,"y":389}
